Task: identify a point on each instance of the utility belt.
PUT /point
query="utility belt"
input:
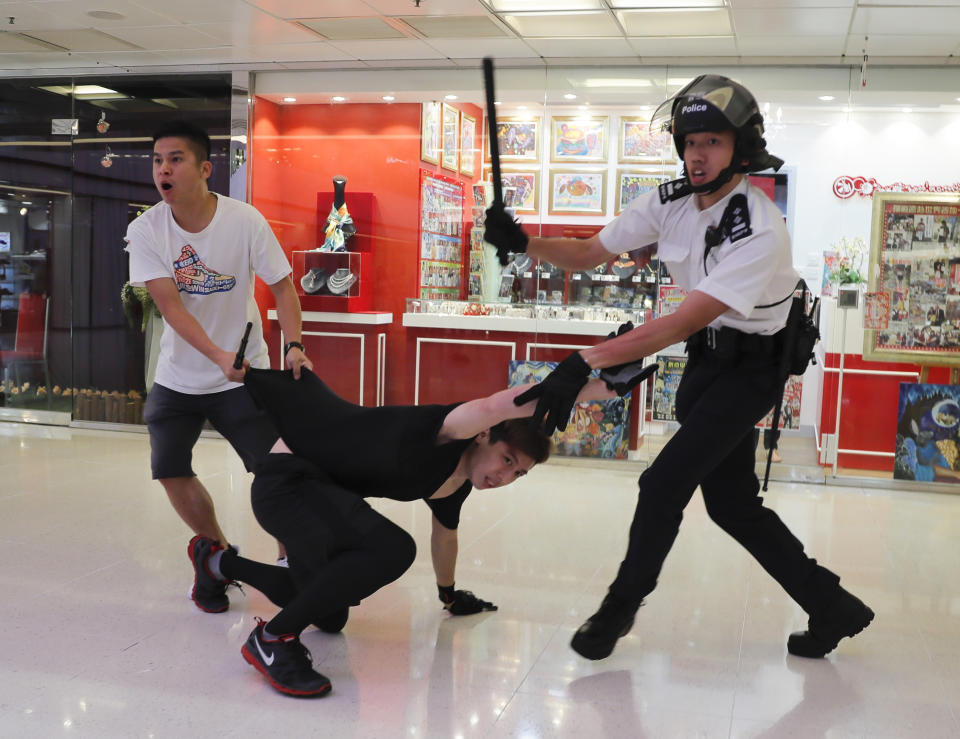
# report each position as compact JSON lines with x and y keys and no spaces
{"x":730,"y":344}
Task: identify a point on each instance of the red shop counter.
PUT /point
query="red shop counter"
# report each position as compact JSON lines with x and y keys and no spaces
{"x":348,"y":351}
{"x":458,"y":356}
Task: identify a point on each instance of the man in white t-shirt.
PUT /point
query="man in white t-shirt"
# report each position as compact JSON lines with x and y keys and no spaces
{"x":724,"y":242}
{"x":197,"y":253}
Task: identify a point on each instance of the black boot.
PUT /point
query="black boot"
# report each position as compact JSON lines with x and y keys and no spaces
{"x":598,"y":636}
{"x":845,"y":616}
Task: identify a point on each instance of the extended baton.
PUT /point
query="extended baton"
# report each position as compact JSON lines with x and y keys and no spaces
{"x":238,"y":362}
{"x":492,"y":132}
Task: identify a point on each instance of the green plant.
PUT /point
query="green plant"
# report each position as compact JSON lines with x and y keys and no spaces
{"x":849,"y":266}
{"x":138,"y":304}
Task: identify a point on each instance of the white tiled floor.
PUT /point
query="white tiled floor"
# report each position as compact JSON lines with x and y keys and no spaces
{"x":99,"y":640}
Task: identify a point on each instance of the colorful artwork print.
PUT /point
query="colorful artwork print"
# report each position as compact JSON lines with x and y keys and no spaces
{"x":915,"y":259}
{"x":876,"y":310}
{"x":522,"y":188}
{"x":928,"y":446}
{"x":790,"y":410}
{"x":578,"y":140}
{"x":451,"y":138}
{"x":577,"y":192}
{"x":639,"y":144}
{"x":430,"y":132}
{"x":595,"y":429}
{"x":665,"y":386}
{"x":468,"y":133}
{"x":518,"y":140}
{"x":631,"y":185}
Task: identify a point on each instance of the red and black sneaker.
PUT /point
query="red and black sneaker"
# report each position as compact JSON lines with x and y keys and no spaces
{"x":209,"y":592}
{"x":285,"y":662}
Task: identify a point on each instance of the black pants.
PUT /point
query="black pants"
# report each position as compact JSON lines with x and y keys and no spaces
{"x":340,"y":550}
{"x":718,"y":403}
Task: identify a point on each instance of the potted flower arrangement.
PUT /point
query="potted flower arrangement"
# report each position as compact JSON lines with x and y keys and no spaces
{"x":847,"y":272}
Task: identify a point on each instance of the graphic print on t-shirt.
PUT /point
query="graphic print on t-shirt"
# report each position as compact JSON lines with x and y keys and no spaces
{"x":193,"y":276}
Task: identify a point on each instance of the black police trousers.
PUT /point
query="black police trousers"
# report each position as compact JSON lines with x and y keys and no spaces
{"x":718,"y":402}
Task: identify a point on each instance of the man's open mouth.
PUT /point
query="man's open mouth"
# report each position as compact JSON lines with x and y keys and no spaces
{"x":166,"y":186}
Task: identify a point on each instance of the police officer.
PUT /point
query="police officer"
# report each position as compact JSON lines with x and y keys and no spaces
{"x":725,"y":243}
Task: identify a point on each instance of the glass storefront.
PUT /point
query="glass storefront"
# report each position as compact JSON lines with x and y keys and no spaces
{"x":76,"y":170}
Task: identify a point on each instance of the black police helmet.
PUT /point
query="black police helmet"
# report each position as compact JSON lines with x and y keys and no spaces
{"x":711,"y":102}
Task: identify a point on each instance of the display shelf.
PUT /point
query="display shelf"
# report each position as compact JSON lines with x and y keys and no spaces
{"x":334,"y":281}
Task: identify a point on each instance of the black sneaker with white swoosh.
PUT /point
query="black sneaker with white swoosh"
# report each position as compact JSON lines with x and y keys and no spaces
{"x":285,"y":662}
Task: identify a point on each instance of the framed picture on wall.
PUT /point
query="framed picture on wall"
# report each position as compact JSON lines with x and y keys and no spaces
{"x":915,"y":258}
{"x":430,"y":132}
{"x":522,"y":188}
{"x":451,"y":138}
{"x":638,"y":144}
{"x":631,"y":183}
{"x":577,"y":192}
{"x":574,"y":139}
{"x":518,"y":139}
{"x":468,"y":139}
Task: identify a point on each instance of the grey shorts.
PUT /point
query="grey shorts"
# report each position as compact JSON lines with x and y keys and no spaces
{"x":176,"y":419}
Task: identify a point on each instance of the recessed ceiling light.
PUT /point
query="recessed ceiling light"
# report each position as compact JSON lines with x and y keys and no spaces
{"x":449,"y":97}
{"x":826,"y":98}
{"x":569,"y":96}
{"x":338,"y":98}
{"x":389,"y":98}
{"x":496,"y":102}
{"x":907,"y":110}
{"x":106,"y":15}
{"x":289,"y":100}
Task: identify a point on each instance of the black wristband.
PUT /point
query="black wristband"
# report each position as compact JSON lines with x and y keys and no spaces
{"x":289,"y":345}
{"x":445,"y":593}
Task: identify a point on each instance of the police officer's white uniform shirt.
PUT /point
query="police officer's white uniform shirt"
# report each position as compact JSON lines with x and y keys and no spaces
{"x":214,"y":273}
{"x":752,"y":271}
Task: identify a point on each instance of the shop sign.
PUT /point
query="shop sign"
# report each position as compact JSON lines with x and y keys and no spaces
{"x":846,"y":186}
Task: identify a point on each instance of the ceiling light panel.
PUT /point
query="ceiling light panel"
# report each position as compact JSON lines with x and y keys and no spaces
{"x":465,"y":26}
{"x":687,"y":22}
{"x":518,"y":6}
{"x":84,"y":40}
{"x":15,"y":42}
{"x":905,"y":20}
{"x":668,"y":3}
{"x":352,"y":29}
{"x":583,"y":24}
{"x":793,"y":21}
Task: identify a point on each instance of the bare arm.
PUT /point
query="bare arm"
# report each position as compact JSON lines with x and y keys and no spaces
{"x":573,"y":254}
{"x":289,"y":317}
{"x":470,"y":418}
{"x":696,"y":311}
{"x":443,"y":551}
{"x":164,"y":292}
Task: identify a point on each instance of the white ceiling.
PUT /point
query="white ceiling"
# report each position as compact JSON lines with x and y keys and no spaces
{"x":107,"y":36}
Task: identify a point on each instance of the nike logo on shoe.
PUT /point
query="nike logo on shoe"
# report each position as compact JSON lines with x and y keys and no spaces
{"x":263,"y":655}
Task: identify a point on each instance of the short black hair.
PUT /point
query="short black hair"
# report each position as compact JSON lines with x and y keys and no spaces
{"x":196,"y":136}
{"x":519,"y":434}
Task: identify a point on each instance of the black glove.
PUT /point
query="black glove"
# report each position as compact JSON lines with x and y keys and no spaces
{"x":557,"y":393}
{"x":504,"y":232}
{"x":462,"y":602}
{"x":622,"y":378}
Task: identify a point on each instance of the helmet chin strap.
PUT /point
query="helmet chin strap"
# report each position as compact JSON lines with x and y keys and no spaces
{"x":726,"y":174}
